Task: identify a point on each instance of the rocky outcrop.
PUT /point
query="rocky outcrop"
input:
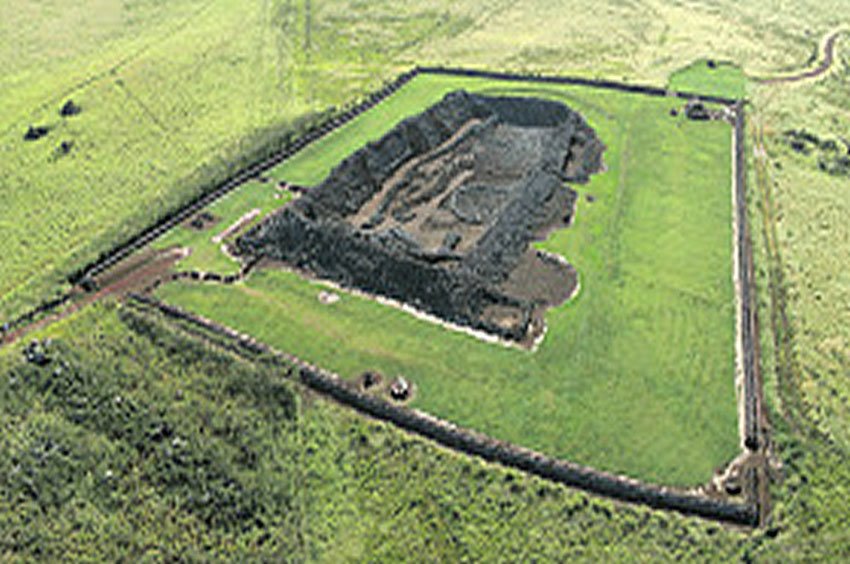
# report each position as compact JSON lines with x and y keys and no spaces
{"x":440,"y":211}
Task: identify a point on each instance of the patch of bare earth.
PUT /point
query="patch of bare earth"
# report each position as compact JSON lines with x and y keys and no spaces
{"x":134,"y":274}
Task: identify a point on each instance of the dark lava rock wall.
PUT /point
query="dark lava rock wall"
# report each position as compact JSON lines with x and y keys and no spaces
{"x":380,"y":265}
{"x":498,"y":251}
{"x":526,"y":149}
{"x":360,"y":175}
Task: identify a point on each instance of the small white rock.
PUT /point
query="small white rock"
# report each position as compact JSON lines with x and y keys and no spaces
{"x":328,"y":298}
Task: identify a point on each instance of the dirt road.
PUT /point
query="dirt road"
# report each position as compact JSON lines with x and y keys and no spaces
{"x":821,"y":69}
{"x":131,"y":275}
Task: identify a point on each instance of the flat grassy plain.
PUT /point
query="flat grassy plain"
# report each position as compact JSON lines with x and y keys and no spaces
{"x":806,"y":244}
{"x":723,"y":79}
{"x":635,"y":374}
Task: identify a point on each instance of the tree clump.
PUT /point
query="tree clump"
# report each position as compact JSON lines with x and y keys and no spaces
{"x":833,"y":155}
{"x":35,"y":132}
{"x":69,"y":109}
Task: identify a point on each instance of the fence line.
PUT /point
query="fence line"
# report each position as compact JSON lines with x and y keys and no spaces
{"x":752,"y":395}
{"x":578,"y":81}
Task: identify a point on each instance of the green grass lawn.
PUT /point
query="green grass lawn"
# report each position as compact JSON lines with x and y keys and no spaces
{"x":726,"y":79}
{"x":635,"y":374}
{"x":207,"y":255}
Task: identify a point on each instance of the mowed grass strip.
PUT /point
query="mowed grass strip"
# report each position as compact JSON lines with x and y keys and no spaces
{"x":710,"y":77}
{"x":206,"y":254}
{"x":635,"y":374}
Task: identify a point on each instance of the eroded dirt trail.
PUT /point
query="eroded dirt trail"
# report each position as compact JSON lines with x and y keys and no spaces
{"x":131,"y":275}
{"x":821,"y":69}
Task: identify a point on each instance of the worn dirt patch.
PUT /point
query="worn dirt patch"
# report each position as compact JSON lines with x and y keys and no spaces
{"x":135,"y":274}
{"x":237,"y":225}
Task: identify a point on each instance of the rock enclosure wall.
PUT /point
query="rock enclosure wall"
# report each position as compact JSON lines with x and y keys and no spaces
{"x":474,"y":443}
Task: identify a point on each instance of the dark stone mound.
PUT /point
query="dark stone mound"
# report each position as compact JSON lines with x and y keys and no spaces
{"x":370,"y":379}
{"x":65,"y":147}
{"x":70,"y":109}
{"x":441,"y":211}
{"x":202,"y":221}
{"x":35,"y":132}
{"x":400,"y":389}
{"x":697,"y":111}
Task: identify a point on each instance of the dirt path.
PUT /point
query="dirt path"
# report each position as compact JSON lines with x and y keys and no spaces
{"x":131,"y":275}
{"x":818,"y":71}
{"x":364,"y":214}
{"x":237,"y":225}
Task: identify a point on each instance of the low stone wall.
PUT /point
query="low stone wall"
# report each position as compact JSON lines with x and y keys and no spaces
{"x":203,"y":276}
{"x":595,"y":83}
{"x":241,"y":341}
{"x":570,"y":474}
{"x":477,"y":444}
{"x":749,"y":332}
{"x":30,"y":316}
{"x":120,"y":252}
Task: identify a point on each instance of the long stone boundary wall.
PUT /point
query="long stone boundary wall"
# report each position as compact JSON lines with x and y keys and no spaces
{"x":31,"y":315}
{"x":594,"y":83}
{"x":123,"y":250}
{"x":749,"y":345}
{"x":476,"y":444}
{"x":116,"y":254}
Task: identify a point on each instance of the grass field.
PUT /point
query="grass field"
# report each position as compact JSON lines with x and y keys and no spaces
{"x":635,"y":375}
{"x":724,"y":79}
{"x":208,"y":255}
{"x":806,"y":244}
